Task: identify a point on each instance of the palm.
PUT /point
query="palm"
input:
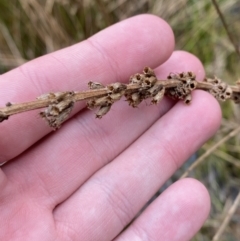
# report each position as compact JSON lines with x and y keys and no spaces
{"x":88,"y":180}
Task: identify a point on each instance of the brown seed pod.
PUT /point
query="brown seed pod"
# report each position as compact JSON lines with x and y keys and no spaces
{"x":228,"y":92}
{"x":95,"y":85}
{"x":115,"y":97}
{"x":137,"y":79}
{"x":220,"y":90}
{"x":236,"y":97}
{"x":103,"y":111}
{"x":117,"y":87}
{"x":172,"y":76}
{"x":187,"y":99}
{"x":134,"y":99}
{"x":159,"y":96}
{"x":149,"y":72}
{"x":46,"y":96}
{"x":56,"y":114}
{"x":184,"y":88}
{"x":56,"y":97}
{"x":105,"y":100}
{"x":149,"y":81}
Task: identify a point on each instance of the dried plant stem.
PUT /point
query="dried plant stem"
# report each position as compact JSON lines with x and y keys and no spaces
{"x":13,"y":109}
{"x":230,"y":36}
{"x":210,"y":151}
{"x":84,"y":95}
{"x":41,"y":103}
{"x":140,"y":87}
{"x":227,"y":218}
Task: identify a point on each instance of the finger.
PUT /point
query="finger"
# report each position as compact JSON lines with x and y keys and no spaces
{"x":3,"y":180}
{"x":109,"y":56}
{"x":116,"y":193}
{"x":176,"y":215}
{"x":68,"y":158}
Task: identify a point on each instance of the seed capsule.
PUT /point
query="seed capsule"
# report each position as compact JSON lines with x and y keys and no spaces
{"x":117,"y":87}
{"x":148,"y":72}
{"x":103,"y":111}
{"x":116,"y":96}
{"x":137,"y":79}
{"x":187,"y":99}
{"x":158,"y":97}
{"x":154,"y":90}
{"x":95,"y":85}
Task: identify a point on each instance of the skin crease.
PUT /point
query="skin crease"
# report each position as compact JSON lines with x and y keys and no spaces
{"x":89,"y":179}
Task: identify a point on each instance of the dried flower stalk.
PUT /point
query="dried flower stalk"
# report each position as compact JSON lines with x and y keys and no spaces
{"x":141,"y":86}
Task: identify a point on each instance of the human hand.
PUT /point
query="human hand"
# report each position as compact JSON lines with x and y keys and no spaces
{"x":88,"y":180}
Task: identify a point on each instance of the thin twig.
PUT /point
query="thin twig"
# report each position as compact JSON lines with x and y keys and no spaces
{"x":227,"y":219}
{"x":230,"y":36}
{"x":210,"y":151}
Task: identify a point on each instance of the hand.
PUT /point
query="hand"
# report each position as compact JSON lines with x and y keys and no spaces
{"x":88,"y":180}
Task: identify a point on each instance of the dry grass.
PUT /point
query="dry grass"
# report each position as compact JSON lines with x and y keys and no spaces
{"x":31,"y":28}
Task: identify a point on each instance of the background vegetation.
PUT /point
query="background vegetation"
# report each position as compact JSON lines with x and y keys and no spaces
{"x":31,"y":28}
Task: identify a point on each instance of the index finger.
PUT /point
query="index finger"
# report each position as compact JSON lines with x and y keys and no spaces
{"x":109,"y":56}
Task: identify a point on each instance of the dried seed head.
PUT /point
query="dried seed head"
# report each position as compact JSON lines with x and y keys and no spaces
{"x":159,"y":96}
{"x":134,"y":99}
{"x":137,"y":79}
{"x":56,"y":114}
{"x":56,"y":97}
{"x":117,"y":87}
{"x":187,"y":99}
{"x":184,"y":88}
{"x":228,"y":92}
{"x":220,"y":90}
{"x":149,"y":81}
{"x":222,"y":86}
{"x":59,"y":109}
{"x":115,"y":97}
{"x":236,"y":97}
{"x":182,"y":76}
{"x":105,"y":100}
{"x":149,"y":72}
{"x":103,"y":111}
{"x":191,"y":85}
{"x":46,"y":96}
{"x":214,"y":81}
{"x":91,"y":104}
{"x":95,"y":85}
{"x":191,"y":75}
{"x":172,"y":76}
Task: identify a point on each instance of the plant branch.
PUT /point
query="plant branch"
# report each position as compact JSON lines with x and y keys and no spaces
{"x":141,"y":86}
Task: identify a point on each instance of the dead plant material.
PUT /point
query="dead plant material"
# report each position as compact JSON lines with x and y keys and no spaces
{"x":140,"y":87}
